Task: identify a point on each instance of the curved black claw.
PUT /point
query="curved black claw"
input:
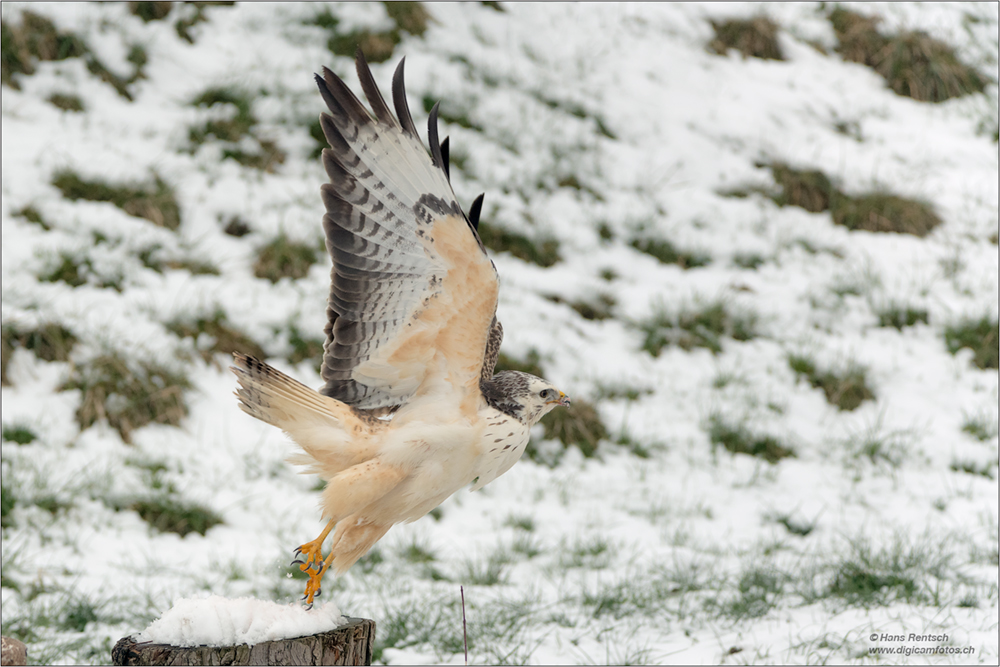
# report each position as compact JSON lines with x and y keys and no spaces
{"x":297,"y":562}
{"x":319,"y":591}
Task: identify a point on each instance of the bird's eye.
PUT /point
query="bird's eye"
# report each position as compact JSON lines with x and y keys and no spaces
{"x":548,"y":394}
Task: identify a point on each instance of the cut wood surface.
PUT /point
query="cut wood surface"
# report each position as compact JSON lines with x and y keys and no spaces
{"x":350,"y":644}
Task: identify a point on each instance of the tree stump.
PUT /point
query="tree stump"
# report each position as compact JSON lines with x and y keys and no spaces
{"x":13,"y":652}
{"x":349,"y":644}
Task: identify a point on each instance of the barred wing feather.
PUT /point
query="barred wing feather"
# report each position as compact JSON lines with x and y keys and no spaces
{"x":413,"y":294}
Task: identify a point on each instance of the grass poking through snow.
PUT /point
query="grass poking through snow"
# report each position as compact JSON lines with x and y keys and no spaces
{"x":155,"y":200}
{"x":705,"y":326}
{"x":127,"y":394}
{"x":847,"y":388}
{"x":754,"y":38}
{"x":981,"y":335}
{"x":284,"y":258}
{"x":912,"y":62}
{"x":739,"y":439}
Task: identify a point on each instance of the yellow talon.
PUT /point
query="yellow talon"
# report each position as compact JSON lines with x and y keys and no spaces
{"x":313,"y":555}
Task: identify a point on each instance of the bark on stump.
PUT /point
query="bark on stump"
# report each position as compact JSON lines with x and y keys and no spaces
{"x":13,"y":652}
{"x":349,"y":644}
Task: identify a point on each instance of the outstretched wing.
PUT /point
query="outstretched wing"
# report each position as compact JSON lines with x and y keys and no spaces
{"x":413,"y":294}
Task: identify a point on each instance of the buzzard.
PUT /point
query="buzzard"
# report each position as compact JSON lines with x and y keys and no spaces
{"x":411,"y":410}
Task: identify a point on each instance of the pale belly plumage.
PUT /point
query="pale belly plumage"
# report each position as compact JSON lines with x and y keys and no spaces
{"x":500,"y":447}
{"x":452,"y":458}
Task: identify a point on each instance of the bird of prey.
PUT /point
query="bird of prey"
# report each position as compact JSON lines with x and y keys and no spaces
{"x":411,"y":410}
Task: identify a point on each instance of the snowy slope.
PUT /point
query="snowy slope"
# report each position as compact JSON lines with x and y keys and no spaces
{"x":591,"y":125}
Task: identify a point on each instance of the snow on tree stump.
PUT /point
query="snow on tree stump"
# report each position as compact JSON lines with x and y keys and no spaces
{"x":349,"y":644}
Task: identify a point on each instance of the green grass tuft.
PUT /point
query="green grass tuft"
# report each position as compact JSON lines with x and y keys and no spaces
{"x":127,"y":395}
{"x":31,"y":214}
{"x":899,"y":316}
{"x":489,"y":572}
{"x":304,"y":348}
{"x":883,"y":212}
{"x":68,"y":271}
{"x":897,"y":572}
{"x":974,"y":468}
{"x":598,"y":308}
{"x":35,"y":38}
{"x":704,"y":327}
{"x":619,"y":391}
{"x":22,"y":435}
{"x":579,"y":425}
{"x":526,"y":545}
{"x":406,"y":621}
{"x":795,"y":526}
{"x":168,"y":515}
{"x":754,"y":38}
{"x":523,"y":522}
{"x":411,"y":17}
{"x":155,"y":201}
{"x":232,"y":130}
{"x":66,"y":102}
{"x":215,"y":335}
{"x":648,"y":593}
{"x":981,"y":335}
{"x":51,"y":342}
{"x":806,"y":188}
{"x":78,"y":615}
{"x":408,"y":17}
{"x":284,"y":258}
{"x":667,"y":253}
{"x":813,"y":191}
{"x":758,"y":591}
{"x":846,"y":389}
{"x":983,"y":427}
{"x":748,"y":260}
{"x":738,"y":439}
{"x":150,"y":11}
{"x":913,"y":63}
{"x":8,"y":501}
{"x":594,"y":553}
{"x":880,"y":445}
{"x":417,"y":551}
{"x":544,"y":253}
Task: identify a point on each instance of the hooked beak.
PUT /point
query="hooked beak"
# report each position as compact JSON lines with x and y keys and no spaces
{"x":563,"y":400}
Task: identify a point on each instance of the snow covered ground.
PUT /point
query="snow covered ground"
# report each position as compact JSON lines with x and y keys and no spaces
{"x":599,"y":127}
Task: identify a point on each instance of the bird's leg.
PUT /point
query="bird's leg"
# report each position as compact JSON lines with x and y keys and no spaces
{"x":313,"y":553}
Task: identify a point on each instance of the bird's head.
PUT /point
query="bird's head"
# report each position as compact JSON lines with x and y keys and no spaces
{"x":527,"y":397}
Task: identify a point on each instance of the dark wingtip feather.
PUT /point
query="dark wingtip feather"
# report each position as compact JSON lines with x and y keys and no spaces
{"x":445,"y":158}
{"x":475,"y":211}
{"x":432,"y":136}
{"x":399,"y":101}
{"x":324,"y":90}
{"x":340,"y":100}
{"x":368,"y":85}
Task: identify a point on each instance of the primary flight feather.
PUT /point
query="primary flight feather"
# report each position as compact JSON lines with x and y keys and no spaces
{"x":411,"y":410}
